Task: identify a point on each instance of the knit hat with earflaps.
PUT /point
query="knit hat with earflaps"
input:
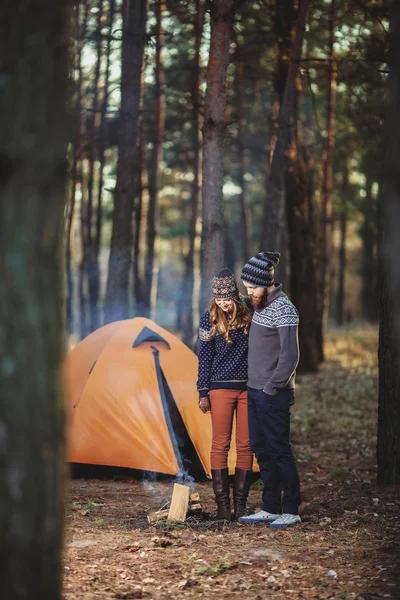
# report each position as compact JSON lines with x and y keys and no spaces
{"x":259,"y":270}
{"x":224,"y":285}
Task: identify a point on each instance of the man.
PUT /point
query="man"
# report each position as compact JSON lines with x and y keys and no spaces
{"x":273,"y":358}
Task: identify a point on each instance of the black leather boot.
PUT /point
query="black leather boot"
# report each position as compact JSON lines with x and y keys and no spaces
{"x":241,"y":489}
{"x":221,"y":490}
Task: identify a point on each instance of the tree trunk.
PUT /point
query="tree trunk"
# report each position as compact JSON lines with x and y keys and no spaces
{"x":137,"y":227}
{"x":327,"y":185}
{"x":340,"y":297}
{"x":243,"y":210}
{"x":80,"y":32}
{"x":34,"y":39}
{"x":188,"y":312}
{"x":212,"y":242}
{"x":151,"y":270}
{"x":285,"y":17}
{"x":93,"y":273}
{"x":300,"y":188}
{"x":369,"y":287}
{"x":102,"y":134}
{"x":133,"y":42}
{"x":273,"y":222}
{"x":388,"y":446}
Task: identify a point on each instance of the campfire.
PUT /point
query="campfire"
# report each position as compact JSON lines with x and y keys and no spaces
{"x":183,"y":504}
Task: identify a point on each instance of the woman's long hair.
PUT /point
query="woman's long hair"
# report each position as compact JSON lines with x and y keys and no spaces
{"x":240,"y":318}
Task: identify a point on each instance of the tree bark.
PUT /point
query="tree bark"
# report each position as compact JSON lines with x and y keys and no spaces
{"x":300,"y":189}
{"x":34,"y":39}
{"x":133,"y":42}
{"x":243,"y":209}
{"x":388,"y":446}
{"x":80,"y":32}
{"x":151,"y":270}
{"x":340,"y":297}
{"x":327,"y":186}
{"x":187,"y":310}
{"x":93,"y":272}
{"x":138,"y":283}
{"x":273,"y":221}
{"x":212,"y":241}
{"x":369,"y":287}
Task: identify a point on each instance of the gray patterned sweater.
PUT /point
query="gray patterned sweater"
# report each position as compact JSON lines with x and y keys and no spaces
{"x":273,"y":344}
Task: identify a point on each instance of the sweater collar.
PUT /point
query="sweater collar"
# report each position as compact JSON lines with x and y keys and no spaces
{"x":276,"y":293}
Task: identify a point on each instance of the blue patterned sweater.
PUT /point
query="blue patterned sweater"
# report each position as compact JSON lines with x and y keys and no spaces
{"x":221,"y":365}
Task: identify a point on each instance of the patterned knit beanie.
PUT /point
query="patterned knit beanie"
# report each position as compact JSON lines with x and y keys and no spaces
{"x":224,"y":285}
{"x":259,"y":270}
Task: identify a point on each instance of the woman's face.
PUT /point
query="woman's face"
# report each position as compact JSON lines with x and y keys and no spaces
{"x":225,"y":303}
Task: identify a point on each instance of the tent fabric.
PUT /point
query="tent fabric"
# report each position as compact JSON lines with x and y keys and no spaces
{"x":117,"y":414}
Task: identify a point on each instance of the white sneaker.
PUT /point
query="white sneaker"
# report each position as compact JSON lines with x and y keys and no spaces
{"x":285,"y":520}
{"x":262,"y":516}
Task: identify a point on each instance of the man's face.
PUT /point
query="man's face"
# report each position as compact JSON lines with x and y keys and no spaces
{"x":257,"y":294}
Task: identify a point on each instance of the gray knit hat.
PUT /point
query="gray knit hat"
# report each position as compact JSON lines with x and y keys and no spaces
{"x":224,"y":285}
{"x":259,"y":270}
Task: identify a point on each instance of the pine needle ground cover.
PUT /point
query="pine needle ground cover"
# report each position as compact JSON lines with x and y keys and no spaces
{"x":348,"y":546}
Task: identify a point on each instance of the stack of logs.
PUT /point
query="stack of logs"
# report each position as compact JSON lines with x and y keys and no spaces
{"x":183,"y":504}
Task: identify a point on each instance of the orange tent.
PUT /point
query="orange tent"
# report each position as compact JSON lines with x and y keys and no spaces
{"x":132,"y":402}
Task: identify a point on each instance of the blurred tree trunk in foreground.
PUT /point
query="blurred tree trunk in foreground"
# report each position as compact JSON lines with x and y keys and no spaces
{"x":212,"y":242}
{"x":34,"y":37}
{"x":388,"y":446}
{"x":133,"y":42}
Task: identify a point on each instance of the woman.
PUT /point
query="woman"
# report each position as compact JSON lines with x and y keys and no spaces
{"x":222,"y":387}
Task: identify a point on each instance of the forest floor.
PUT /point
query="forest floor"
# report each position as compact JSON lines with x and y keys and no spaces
{"x":347,"y":547}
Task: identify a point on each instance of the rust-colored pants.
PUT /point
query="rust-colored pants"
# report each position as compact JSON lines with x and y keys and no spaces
{"x":224,"y":403}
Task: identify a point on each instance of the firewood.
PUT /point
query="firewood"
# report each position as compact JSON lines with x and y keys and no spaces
{"x":157,"y":516}
{"x":195,"y":498}
{"x":179,"y":503}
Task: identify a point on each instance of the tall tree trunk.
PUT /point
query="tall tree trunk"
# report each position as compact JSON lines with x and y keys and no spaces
{"x":80,"y":32}
{"x":327,"y":186}
{"x":187,"y":309}
{"x":300,"y":188}
{"x":212,"y":242}
{"x":93,"y":272}
{"x":151,"y":269}
{"x":133,"y":42}
{"x":369,"y":287}
{"x":273,"y":222}
{"x":138,"y":290}
{"x":285,"y":17}
{"x":388,"y":446}
{"x":82,"y":283}
{"x":102,"y":134}
{"x":34,"y":39}
{"x":340,"y":297}
{"x":243,"y":209}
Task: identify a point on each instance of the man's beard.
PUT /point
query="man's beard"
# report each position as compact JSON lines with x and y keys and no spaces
{"x":260,"y":301}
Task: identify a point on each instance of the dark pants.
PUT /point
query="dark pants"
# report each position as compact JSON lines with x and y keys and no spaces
{"x":269,"y":427}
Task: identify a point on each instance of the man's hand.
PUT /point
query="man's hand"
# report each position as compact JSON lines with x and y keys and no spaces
{"x":204,"y":404}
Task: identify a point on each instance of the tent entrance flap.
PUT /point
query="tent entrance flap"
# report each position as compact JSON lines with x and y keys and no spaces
{"x":186,"y":455}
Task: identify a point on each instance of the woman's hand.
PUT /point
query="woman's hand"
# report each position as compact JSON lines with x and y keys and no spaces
{"x":204,"y":404}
